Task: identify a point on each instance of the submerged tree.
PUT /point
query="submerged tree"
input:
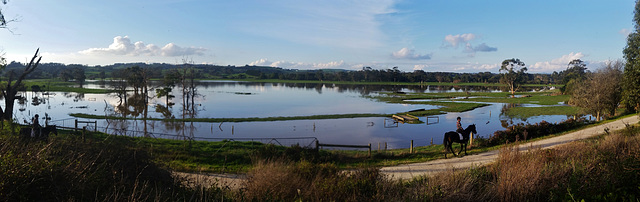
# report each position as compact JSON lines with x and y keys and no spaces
{"x":513,"y":74}
{"x":171,"y":78}
{"x":11,"y":87}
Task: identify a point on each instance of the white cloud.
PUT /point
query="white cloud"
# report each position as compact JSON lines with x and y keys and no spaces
{"x":123,"y":46}
{"x":329,"y":65}
{"x":624,"y":32}
{"x":409,"y":54}
{"x":465,"y":40}
{"x":557,"y":64}
{"x":420,"y":67}
{"x":299,"y":65}
{"x":474,"y":67}
{"x":456,"y":40}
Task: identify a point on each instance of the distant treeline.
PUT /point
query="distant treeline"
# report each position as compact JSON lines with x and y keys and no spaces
{"x":366,"y":74}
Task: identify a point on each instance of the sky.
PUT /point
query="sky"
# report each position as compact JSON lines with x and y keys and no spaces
{"x":430,"y":35}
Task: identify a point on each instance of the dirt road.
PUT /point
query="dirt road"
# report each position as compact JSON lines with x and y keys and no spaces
{"x":409,"y":171}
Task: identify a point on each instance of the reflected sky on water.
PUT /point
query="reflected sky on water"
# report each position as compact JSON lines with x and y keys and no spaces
{"x":247,"y":99}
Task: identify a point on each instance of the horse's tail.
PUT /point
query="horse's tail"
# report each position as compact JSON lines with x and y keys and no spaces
{"x":444,"y":140}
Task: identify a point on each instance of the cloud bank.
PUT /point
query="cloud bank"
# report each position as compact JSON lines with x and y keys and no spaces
{"x":456,"y":41}
{"x":409,"y":54}
{"x":299,"y":65}
{"x":123,"y":46}
{"x":557,"y":64}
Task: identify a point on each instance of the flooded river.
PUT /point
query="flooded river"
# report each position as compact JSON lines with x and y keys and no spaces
{"x":230,"y":99}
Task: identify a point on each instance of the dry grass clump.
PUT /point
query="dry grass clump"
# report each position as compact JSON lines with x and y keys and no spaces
{"x":67,"y":169}
{"x":288,"y":181}
{"x":606,"y":168}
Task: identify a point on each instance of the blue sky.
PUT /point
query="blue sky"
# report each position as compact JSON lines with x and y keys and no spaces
{"x":446,"y":35}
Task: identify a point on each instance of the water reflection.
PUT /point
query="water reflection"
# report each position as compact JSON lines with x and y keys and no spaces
{"x":210,"y":99}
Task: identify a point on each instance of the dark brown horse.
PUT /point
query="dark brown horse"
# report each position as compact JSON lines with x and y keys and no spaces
{"x":42,"y":133}
{"x":451,"y":137}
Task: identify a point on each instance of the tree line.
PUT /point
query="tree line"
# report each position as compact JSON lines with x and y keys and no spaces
{"x":78,"y":73}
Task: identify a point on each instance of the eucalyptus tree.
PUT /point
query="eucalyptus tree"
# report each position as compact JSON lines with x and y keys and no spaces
{"x":631,"y":88}
{"x":513,"y":74}
{"x":575,"y":72}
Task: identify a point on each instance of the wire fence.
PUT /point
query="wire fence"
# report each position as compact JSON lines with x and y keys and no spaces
{"x":75,"y":124}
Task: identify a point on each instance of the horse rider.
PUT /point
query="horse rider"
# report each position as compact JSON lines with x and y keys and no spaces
{"x":459,"y":128}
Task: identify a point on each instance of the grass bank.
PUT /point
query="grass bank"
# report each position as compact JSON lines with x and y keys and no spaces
{"x":60,"y":86}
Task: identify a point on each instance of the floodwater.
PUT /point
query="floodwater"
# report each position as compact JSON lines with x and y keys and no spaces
{"x":230,"y":99}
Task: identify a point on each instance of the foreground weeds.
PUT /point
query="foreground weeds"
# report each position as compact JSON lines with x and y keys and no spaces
{"x":65,"y":168}
{"x":277,"y":180}
{"x":606,"y":168}
{"x":68,"y":168}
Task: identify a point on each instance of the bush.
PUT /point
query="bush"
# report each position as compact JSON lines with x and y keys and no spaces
{"x":530,"y":131}
{"x":67,"y":169}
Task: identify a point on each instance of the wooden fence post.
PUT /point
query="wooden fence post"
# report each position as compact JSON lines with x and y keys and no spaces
{"x":317,"y":145}
{"x":411,"y":149}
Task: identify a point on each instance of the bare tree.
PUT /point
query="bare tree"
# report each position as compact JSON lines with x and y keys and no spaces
{"x":601,"y":92}
{"x":3,"y":21}
{"x":10,"y":90}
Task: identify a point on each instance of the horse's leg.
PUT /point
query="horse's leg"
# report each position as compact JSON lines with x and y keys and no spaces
{"x":465,"y":149}
{"x":451,"y":149}
{"x":445,"y":148}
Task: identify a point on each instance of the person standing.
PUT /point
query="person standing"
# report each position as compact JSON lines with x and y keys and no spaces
{"x":35,"y":126}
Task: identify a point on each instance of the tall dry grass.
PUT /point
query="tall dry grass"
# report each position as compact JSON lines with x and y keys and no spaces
{"x":605,"y":168}
{"x":288,"y":181}
{"x":65,"y":168}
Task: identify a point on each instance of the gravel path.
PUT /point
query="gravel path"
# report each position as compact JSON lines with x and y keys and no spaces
{"x":409,"y":171}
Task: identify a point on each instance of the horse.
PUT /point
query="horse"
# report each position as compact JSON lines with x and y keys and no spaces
{"x":451,"y":137}
{"x":43,"y":133}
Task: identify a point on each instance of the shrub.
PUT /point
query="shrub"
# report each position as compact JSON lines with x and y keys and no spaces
{"x":67,"y":169}
{"x":530,"y":131}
